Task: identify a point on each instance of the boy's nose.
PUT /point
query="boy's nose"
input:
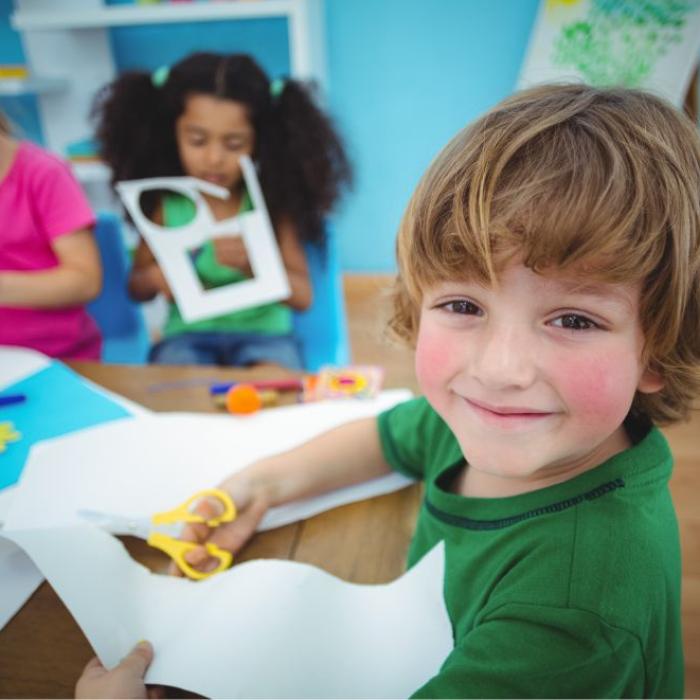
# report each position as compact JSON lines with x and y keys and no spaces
{"x":504,"y":357}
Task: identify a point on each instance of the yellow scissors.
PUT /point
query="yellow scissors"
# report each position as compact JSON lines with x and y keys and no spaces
{"x":167,"y":541}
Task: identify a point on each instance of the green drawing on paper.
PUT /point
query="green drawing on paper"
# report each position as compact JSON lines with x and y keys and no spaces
{"x":619,"y":42}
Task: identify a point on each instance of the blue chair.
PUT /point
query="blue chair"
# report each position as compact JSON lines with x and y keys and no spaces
{"x":322,"y":329}
{"x":120,"y":319}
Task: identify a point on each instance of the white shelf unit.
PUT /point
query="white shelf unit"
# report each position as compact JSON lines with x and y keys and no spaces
{"x":68,"y":41}
{"x":302,"y":16}
{"x":91,"y":171}
{"x":120,"y":15}
{"x":11,"y":87}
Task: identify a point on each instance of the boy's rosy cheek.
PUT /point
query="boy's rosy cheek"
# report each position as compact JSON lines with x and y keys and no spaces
{"x":432,"y":357}
{"x":599,"y":390}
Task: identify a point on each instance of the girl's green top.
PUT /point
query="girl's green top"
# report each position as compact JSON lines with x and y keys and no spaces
{"x":269,"y":319}
{"x":571,"y":591}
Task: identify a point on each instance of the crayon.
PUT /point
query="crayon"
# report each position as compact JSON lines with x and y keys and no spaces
{"x":11,"y":399}
{"x":262,"y":385}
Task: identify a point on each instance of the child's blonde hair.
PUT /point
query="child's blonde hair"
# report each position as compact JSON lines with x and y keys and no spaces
{"x":600,"y":181}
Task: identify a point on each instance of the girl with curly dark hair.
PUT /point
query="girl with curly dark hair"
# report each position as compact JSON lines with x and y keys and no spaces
{"x":198,"y":118}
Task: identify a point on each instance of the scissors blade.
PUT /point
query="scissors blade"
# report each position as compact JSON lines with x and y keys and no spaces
{"x":117,"y":524}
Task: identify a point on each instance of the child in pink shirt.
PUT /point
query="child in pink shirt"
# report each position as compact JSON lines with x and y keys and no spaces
{"x":49,"y":261}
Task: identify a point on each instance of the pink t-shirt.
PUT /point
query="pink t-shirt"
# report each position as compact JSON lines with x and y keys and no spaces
{"x":40,"y":200}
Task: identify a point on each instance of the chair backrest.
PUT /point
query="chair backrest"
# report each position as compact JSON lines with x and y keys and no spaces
{"x":120,"y":319}
{"x":322,"y":329}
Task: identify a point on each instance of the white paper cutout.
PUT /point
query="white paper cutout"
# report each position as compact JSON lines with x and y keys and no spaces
{"x":170,"y":246}
{"x":263,"y":629}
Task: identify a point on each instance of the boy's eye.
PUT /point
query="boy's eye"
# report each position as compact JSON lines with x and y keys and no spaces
{"x":461,"y":306}
{"x":234,"y":145}
{"x":575,"y":322}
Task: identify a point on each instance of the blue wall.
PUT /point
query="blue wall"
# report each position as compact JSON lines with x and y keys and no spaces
{"x":150,"y":46}
{"x":403,"y":75}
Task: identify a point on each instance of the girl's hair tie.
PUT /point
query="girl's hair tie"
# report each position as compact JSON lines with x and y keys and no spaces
{"x":277,"y":87}
{"x":160,"y":76}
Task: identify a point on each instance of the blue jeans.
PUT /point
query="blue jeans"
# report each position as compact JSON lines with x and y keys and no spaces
{"x":227,"y":349}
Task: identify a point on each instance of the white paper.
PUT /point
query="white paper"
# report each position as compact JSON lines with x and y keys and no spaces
{"x":172,"y":246}
{"x":262,"y":629}
{"x":6,"y":495}
{"x":19,"y":577}
{"x":266,"y":628}
{"x":639,"y":45}
{"x":17,"y":364}
{"x":139,"y":466}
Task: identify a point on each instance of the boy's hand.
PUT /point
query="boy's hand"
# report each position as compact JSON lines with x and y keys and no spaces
{"x":251,"y":505}
{"x":123,"y":681}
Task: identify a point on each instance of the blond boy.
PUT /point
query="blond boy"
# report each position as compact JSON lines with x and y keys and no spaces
{"x":549,"y":275}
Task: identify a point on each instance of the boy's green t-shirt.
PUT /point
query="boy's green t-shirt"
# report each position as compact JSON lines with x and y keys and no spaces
{"x":569,"y":591}
{"x":270,"y":319}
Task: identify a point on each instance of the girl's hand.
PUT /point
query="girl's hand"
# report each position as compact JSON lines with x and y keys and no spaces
{"x":231,"y":251}
{"x":147,"y":280}
{"x":123,"y":681}
{"x":160,"y":282}
{"x":251,"y":501}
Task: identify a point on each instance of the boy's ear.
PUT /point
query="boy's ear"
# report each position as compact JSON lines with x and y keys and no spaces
{"x":650,"y":382}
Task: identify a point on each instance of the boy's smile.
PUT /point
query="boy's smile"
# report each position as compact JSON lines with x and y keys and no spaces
{"x":534,"y":376}
{"x":510,"y":417}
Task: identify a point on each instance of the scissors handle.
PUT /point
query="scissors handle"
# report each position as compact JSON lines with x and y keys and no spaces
{"x":176,"y":549}
{"x":183,"y":514}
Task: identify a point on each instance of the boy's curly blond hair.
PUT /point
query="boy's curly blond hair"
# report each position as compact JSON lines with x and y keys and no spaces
{"x":601,"y":181}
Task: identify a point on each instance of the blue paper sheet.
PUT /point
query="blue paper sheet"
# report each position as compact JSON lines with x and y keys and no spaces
{"x":58,"y":401}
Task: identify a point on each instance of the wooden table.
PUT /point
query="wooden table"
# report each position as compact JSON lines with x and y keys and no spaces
{"x":43,"y":651}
